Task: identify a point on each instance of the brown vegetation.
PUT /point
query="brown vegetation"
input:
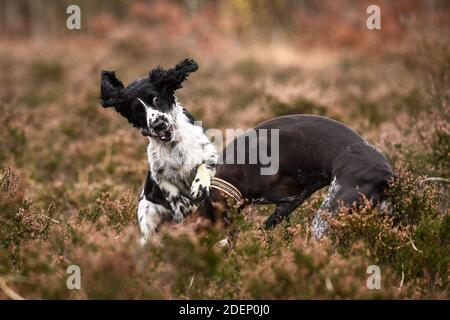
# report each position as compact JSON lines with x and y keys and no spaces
{"x":71,"y":170}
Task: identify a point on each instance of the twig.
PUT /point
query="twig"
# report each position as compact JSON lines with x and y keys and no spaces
{"x":400,"y":246}
{"x":10,"y":293}
{"x":192,"y":281}
{"x":414,"y":246}
{"x":439,"y":179}
{"x":403,"y":278}
{"x":328,"y":284}
{"x":51,"y":219}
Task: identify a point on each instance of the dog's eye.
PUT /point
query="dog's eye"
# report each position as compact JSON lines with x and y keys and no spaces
{"x":155,"y":100}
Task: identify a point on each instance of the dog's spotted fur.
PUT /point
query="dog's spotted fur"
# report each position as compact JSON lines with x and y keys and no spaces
{"x":180,"y":156}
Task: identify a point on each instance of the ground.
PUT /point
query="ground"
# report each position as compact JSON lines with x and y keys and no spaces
{"x":71,"y":171}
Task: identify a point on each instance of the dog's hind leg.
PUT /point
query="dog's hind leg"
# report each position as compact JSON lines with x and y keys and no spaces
{"x":281,"y":211}
{"x":319,"y":225}
{"x":151,"y":209}
{"x":342,"y":193}
{"x":149,"y":218}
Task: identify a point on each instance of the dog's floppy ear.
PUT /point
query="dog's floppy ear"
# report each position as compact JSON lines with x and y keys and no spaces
{"x":114,"y":94}
{"x":183,"y":69}
{"x":111,"y":90}
{"x":170,"y":80}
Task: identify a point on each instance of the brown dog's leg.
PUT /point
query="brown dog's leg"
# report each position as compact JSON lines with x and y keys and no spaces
{"x":281,"y":211}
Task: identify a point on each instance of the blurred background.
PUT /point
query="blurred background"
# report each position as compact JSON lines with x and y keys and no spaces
{"x":258,"y":59}
{"x":66,"y":157}
{"x":337,"y":23}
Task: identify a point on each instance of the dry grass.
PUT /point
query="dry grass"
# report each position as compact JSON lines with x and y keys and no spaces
{"x":71,"y":170}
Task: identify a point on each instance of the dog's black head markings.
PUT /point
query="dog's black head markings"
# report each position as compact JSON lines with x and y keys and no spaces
{"x":147,"y":102}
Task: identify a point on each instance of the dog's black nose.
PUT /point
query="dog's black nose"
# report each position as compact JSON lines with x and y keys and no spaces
{"x":159,"y":125}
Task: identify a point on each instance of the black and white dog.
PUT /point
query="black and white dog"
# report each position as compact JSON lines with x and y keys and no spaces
{"x":313,"y":152}
{"x":181,"y":158}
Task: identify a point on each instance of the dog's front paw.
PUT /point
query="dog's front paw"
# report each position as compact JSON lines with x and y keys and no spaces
{"x":201,"y":187}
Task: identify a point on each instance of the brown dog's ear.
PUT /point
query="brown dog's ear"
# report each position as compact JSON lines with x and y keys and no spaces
{"x":170,"y":80}
{"x":111,"y":90}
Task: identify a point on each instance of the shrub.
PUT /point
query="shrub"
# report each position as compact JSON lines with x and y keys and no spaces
{"x":413,"y":239}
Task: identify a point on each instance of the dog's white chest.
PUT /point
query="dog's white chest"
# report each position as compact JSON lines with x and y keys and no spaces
{"x":176,"y":162}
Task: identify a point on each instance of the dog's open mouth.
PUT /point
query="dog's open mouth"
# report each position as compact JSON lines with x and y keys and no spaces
{"x":164,"y":135}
